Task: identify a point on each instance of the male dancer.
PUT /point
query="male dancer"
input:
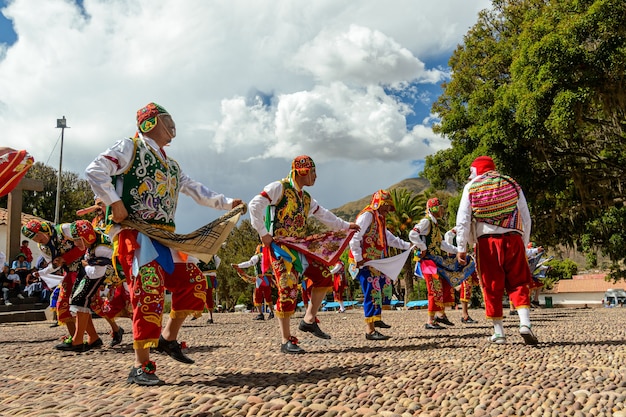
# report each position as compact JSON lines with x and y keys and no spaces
{"x":262,"y":284}
{"x":497,"y":206}
{"x":281,"y":210}
{"x":371,"y":242}
{"x":137,"y":180}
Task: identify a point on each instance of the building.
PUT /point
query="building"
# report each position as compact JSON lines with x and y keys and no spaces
{"x":579,"y":291}
{"x":4,"y":230}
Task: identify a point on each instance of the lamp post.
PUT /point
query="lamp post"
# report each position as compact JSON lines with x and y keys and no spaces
{"x":61,"y":124}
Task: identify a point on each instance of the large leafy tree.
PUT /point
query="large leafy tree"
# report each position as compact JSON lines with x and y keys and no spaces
{"x":75,"y":194}
{"x":541,"y":87}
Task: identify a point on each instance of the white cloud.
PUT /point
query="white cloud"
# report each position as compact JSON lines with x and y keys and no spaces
{"x":250,"y":85}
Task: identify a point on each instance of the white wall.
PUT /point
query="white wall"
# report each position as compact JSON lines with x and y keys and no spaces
{"x":573,"y":299}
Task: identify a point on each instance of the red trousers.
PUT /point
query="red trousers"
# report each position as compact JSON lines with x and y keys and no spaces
{"x":440,"y":293}
{"x":262,"y":293}
{"x":502,"y":264}
{"x":287,"y":283}
{"x":63,"y":302}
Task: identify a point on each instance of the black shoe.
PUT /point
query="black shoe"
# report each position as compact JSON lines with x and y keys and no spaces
{"x":535,"y":303}
{"x":468,"y":320}
{"x":513,"y":313}
{"x":434,"y":326}
{"x":443,"y":320}
{"x":173,"y":349}
{"x":95,"y":344}
{"x":209,"y":321}
{"x":381,"y":324}
{"x":194,"y":318}
{"x":313,"y":328}
{"x":271,"y":315}
{"x":117,"y":337}
{"x":291,"y":346}
{"x":139,"y":377}
{"x":259,"y":317}
{"x":67,"y":346}
{"x":376,"y":335}
{"x":55,"y":324}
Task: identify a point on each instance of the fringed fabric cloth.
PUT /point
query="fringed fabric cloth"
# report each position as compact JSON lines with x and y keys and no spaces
{"x":202,"y":243}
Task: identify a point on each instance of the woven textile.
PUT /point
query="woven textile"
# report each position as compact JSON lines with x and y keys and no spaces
{"x":325,"y":248}
{"x":243,"y":275}
{"x":202,"y":243}
{"x":493,"y":198}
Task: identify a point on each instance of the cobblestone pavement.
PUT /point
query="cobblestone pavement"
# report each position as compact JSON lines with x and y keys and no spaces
{"x":578,"y":369}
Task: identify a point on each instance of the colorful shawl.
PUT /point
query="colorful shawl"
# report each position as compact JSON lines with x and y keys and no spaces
{"x":13,"y":167}
{"x":325,"y":248}
{"x":202,"y":243}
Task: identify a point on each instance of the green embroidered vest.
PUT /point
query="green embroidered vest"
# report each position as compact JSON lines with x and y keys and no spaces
{"x":151,"y":187}
{"x":434,"y":238}
{"x":291,"y":212}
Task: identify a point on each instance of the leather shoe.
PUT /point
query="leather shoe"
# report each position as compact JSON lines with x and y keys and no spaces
{"x":140,"y":377}
{"x":381,"y":324}
{"x":270,"y":316}
{"x":376,"y":335}
{"x":95,"y":344}
{"x":173,"y":349}
{"x":291,"y":346}
{"x":433,"y":326}
{"x":117,"y":337}
{"x":468,"y":320}
{"x":67,"y":346}
{"x":314,"y":329}
{"x":443,"y":320}
{"x":259,"y":317}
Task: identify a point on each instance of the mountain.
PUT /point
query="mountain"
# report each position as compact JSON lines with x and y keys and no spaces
{"x":349,"y":210}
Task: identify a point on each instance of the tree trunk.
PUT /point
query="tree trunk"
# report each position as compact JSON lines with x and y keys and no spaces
{"x":408,"y":283}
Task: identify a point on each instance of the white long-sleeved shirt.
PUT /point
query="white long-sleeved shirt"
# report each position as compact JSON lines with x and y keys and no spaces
{"x":117,"y":159}
{"x":97,"y":271}
{"x":464,"y":221}
{"x":274,"y":191}
{"x":364,"y":221}
{"x":423,"y":228}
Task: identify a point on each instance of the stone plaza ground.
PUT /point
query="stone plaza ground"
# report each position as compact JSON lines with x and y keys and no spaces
{"x":578,"y":369}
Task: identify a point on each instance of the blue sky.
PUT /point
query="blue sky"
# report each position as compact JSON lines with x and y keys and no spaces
{"x":249,"y":84}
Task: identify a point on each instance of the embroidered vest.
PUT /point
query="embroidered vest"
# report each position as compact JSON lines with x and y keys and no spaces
{"x":371,"y":246}
{"x":151,"y":187}
{"x":291,"y":212}
{"x":493,"y":198}
{"x":434,"y":238}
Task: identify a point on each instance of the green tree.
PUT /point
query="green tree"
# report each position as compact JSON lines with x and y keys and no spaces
{"x":409,"y":210}
{"x":75,"y":194}
{"x":539,"y":86}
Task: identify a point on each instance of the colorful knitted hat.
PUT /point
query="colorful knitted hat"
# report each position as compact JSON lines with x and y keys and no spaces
{"x":302,"y":164}
{"x":31,"y":228}
{"x":433,"y":205}
{"x":82,"y":229}
{"x":147,"y":116}
{"x":382,"y":198}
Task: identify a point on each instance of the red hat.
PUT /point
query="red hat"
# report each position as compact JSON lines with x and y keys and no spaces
{"x":433,"y":204}
{"x":481,"y":165}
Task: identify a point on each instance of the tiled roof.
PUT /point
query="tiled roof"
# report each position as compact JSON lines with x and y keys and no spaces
{"x":583,"y":285}
{"x":4,"y":213}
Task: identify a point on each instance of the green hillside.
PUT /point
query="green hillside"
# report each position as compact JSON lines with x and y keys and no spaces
{"x":349,"y":210}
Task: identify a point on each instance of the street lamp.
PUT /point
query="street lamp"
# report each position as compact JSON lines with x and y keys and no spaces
{"x":61,"y":124}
